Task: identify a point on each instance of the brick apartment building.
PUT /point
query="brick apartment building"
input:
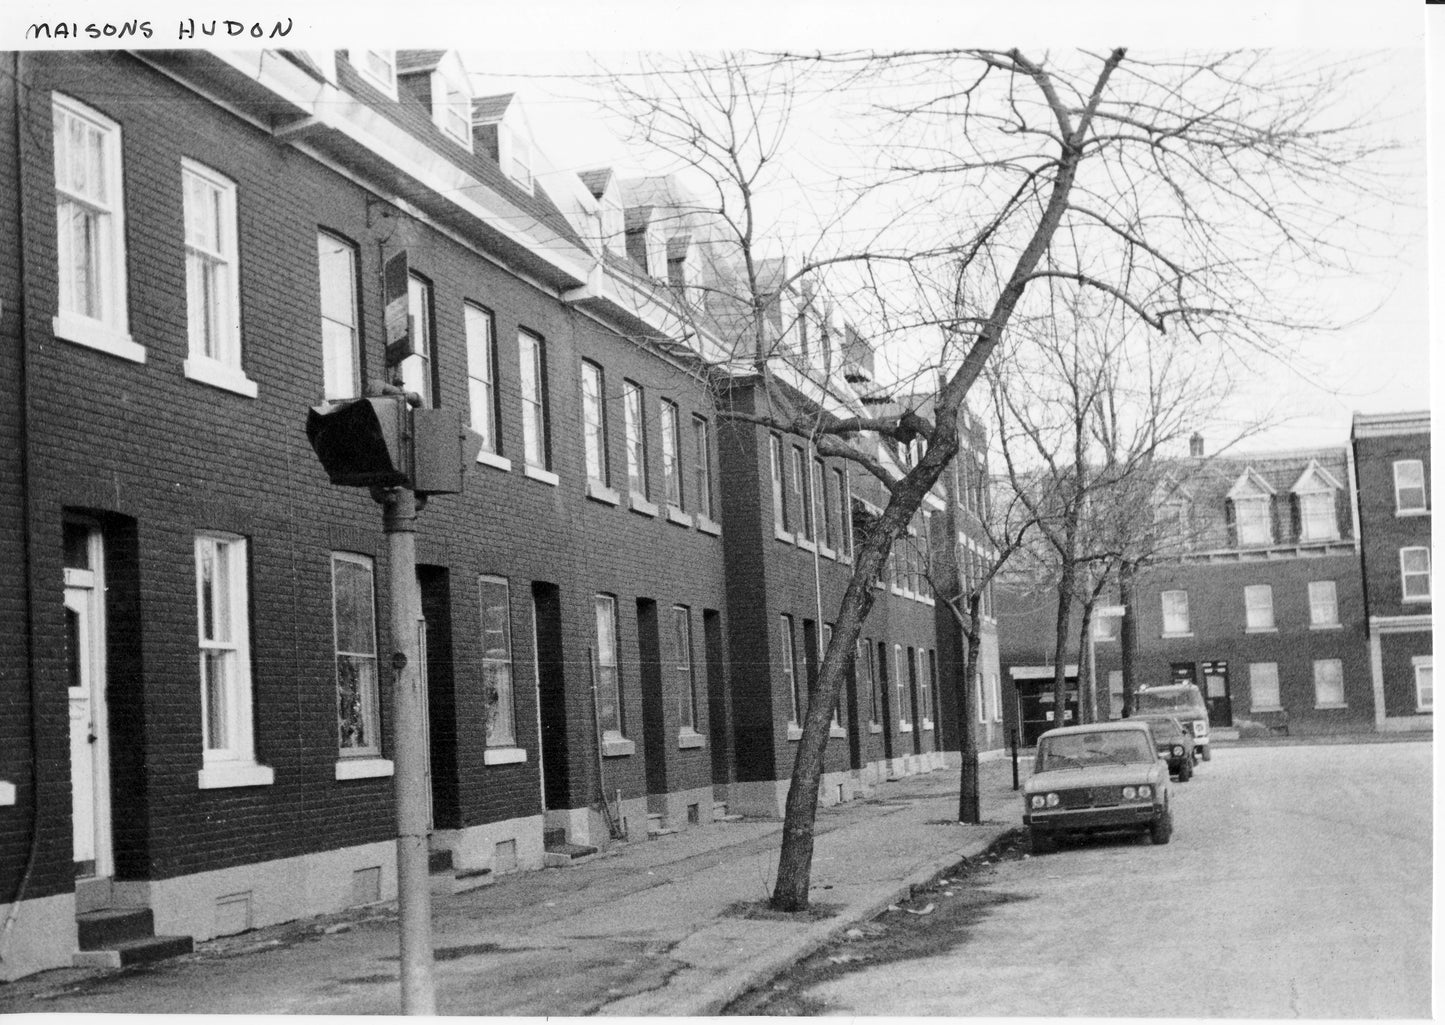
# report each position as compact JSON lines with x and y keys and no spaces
{"x":1266,"y":608}
{"x":1392,"y":459}
{"x":622,"y":610}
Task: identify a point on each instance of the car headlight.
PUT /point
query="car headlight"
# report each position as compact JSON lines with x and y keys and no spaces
{"x":1145,"y":791}
{"x":1037,"y":801}
{"x":1178,"y":750}
{"x":1052,"y":800}
{"x":1129,"y":793}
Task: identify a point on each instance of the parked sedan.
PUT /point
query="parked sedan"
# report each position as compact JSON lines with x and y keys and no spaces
{"x":1103,"y":777}
{"x":1175,"y":743}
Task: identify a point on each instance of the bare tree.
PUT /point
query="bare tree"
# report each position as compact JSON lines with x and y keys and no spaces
{"x":1181,"y":190}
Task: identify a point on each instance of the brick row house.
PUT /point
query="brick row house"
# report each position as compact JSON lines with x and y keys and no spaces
{"x":1264,"y":606}
{"x":622,"y":611}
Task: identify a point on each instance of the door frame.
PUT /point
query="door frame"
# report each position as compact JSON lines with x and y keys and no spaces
{"x":88,"y":588}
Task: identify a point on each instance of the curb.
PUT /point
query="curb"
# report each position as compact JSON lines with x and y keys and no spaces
{"x":710,"y":999}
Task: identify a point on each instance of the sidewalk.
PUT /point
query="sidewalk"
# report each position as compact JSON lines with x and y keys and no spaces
{"x":654,"y":928}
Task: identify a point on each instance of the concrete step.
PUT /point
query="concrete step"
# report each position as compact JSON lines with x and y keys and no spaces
{"x":99,"y":930}
{"x":460,"y":880}
{"x":144,"y":950}
{"x":562,"y":854}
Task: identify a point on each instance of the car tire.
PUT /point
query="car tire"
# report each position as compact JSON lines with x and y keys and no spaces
{"x":1186,"y":770}
{"x":1042,"y":842}
{"x":1163,"y":828}
{"x":1206,"y":752}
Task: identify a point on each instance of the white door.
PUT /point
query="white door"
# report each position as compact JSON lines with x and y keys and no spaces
{"x":89,"y":753}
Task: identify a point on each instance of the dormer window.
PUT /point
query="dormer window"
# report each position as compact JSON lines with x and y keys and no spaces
{"x":1252,"y":502}
{"x":520,"y":164}
{"x":378,"y":67}
{"x":1315,"y":492}
{"x":456,"y":114}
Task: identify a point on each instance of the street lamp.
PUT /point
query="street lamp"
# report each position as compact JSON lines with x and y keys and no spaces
{"x":1101,"y":612}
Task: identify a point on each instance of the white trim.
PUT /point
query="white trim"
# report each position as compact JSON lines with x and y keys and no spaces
{"x":617,"y":747}
{"x":7,"y":793}
{"x":93,"y":334}
{"x":504,"y":755}
{"x":363,"y":768}
{"x":676,"y":515}
{"x":707,"y":526}
{"x":687,"y":738}
{"x":492,"y":459}
{"x":219,"y":375}
{"x":541,"y":475}
{"x":795,"y":732}
{"x":222,"y":775}
{"x":599,"y":492}
{"x":388,"y":87}
{"x":640,"y":505}
{"x":785,"y":536}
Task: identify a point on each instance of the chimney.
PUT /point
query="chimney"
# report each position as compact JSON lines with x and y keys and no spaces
{"x":1196,"y":445}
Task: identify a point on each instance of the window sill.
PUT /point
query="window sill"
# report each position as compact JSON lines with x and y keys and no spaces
{"x":779,"y":534}
{"x":504,"y":755}
{"x":1187,"y":633}
{"x":599,"y":492}
{"x":1402,"y":514}
{"x":1327,"y":626}
{"x":806,"y":545}
{"x":1418,"y":711}
{"x":795,"y":732}
{"x":364,"y":768}
{"x":219,"y":375}
{"x":676,"y":515}
{"x":837,"y":731}
{"x":7,"y":793}
{"x":1266,"y":708}
{"x":827,"y":552}
{"x":874,"y":727}
{"x":617,"y":747}
{"x":95,"y":335}
{"x":689,"y":739}
{"x":494,"y":460}
{"x":897,"y":591}
{"x":927,"y":725}
{"x":1319,"y":707}
{"x":539,"y":474}
{"x":235,"y":774}
{"x":846,"y":558}
{"x":640,"y":505}
{"x":1417,"y":600}
{"x":1261,"y":629}
{"x":905,"y":727}
{"x":707,"y":526}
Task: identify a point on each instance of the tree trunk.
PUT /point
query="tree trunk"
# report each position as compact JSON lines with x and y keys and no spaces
{"x":968,"y":802}
{"x":1128,"y":631}
{"x":1088,"y":709}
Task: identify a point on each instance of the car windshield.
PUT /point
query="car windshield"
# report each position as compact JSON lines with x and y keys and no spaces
{"x":1169,"y":701}
{"x":1106,"y":747}
{"x":1166,"y":731}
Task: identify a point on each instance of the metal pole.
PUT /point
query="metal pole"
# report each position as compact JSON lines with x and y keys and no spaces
{"x":418,"y":991}
{"x":1014,"y":744}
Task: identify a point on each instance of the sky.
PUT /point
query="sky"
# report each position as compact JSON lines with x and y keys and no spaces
{"x":1377,"y":363}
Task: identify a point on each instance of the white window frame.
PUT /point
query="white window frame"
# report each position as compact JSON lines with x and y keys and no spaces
{"x":1259,"y":608}
{"x":368,"y":683}
{"x":671,"y":426}
{"x":905,"y":724}
{"x":801,"y":485}
{"x":1323,"y":502}
{"x":1261,"y":520}
{"x":702,"y":470}
{"x":1324,"y":598}
{"x":634,"y":425}
{"x":594,"y":423}
{"x":1116,"y":693}
{"x":824,"y":529}
{"x":845,"y":519}
{"x":497,"y":666}
{"x":1260,"y":674}
{"x":827,"y":639}
{"x":780,"y":496}
{"x":1424,"y":696}
{"x":416,"y":369}
{"x":1180,"y":612}
{"x":683,"y":666}
{"x":101,"y":319}
{"x":1321,"y":664}
{"x":336,"y":364}
{"x":997,"y":697}
{"x":875,"y":698}
{"x":213,"y":285}
{"x":452,"y":107}
{"x":609,"y":678}
{"x":787,"y":636}
{"x":1401,"y":509}
{"x":1407,"y":575}
{"x":384,"y":78}
{"x":230,"y":758}
{"x":481,"y":337}
{"x":535,"y":450}
{"x":980,"y":700}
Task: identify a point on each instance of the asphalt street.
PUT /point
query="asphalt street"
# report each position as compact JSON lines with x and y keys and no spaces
{"x":1298,"y":884}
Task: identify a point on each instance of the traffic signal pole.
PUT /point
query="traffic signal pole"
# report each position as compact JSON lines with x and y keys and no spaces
{"x":418,"y":988}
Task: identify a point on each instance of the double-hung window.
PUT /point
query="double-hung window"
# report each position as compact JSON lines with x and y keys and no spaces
{"x":905,"y":723}
{"x":1424,"y":682}
{"x":635,"y":428}
{"x":534,"y":401}
{"x":780,"y":498}
{"x":482,"y":376}
{"x":594,"y":424}
{"x":1324,"y":605}
{"x":340,"y":339}
{"x":925,"y":686}
{"x":379,"y":67}
{"x":864,"y":661}
{"x":416,"y":369}
{"x":1176,"y":612}
{"x":1415,"y":574}
{"x":682,"y":663}
{"x":497,"y":691}
{"x":1329,"y":683}
{"x":790,"y":669}
{"x":845,"y":521}
{"x":1410,"y":493}
{"x":702,"y":467}
{"x":90,"y":226}
{"x":805,"y":498}
{"x":223,"y":640}
{"x":1264,"y":686}
{"x":1317,"y":516}
{"x":671,"y":466}
{"x":353,"y":616}
{"x":821,"y":503}
{"x":1259,"y":607}
{"x":609,"y":689}
{"x":1252,"y":520}
{"x":213,"y":298}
